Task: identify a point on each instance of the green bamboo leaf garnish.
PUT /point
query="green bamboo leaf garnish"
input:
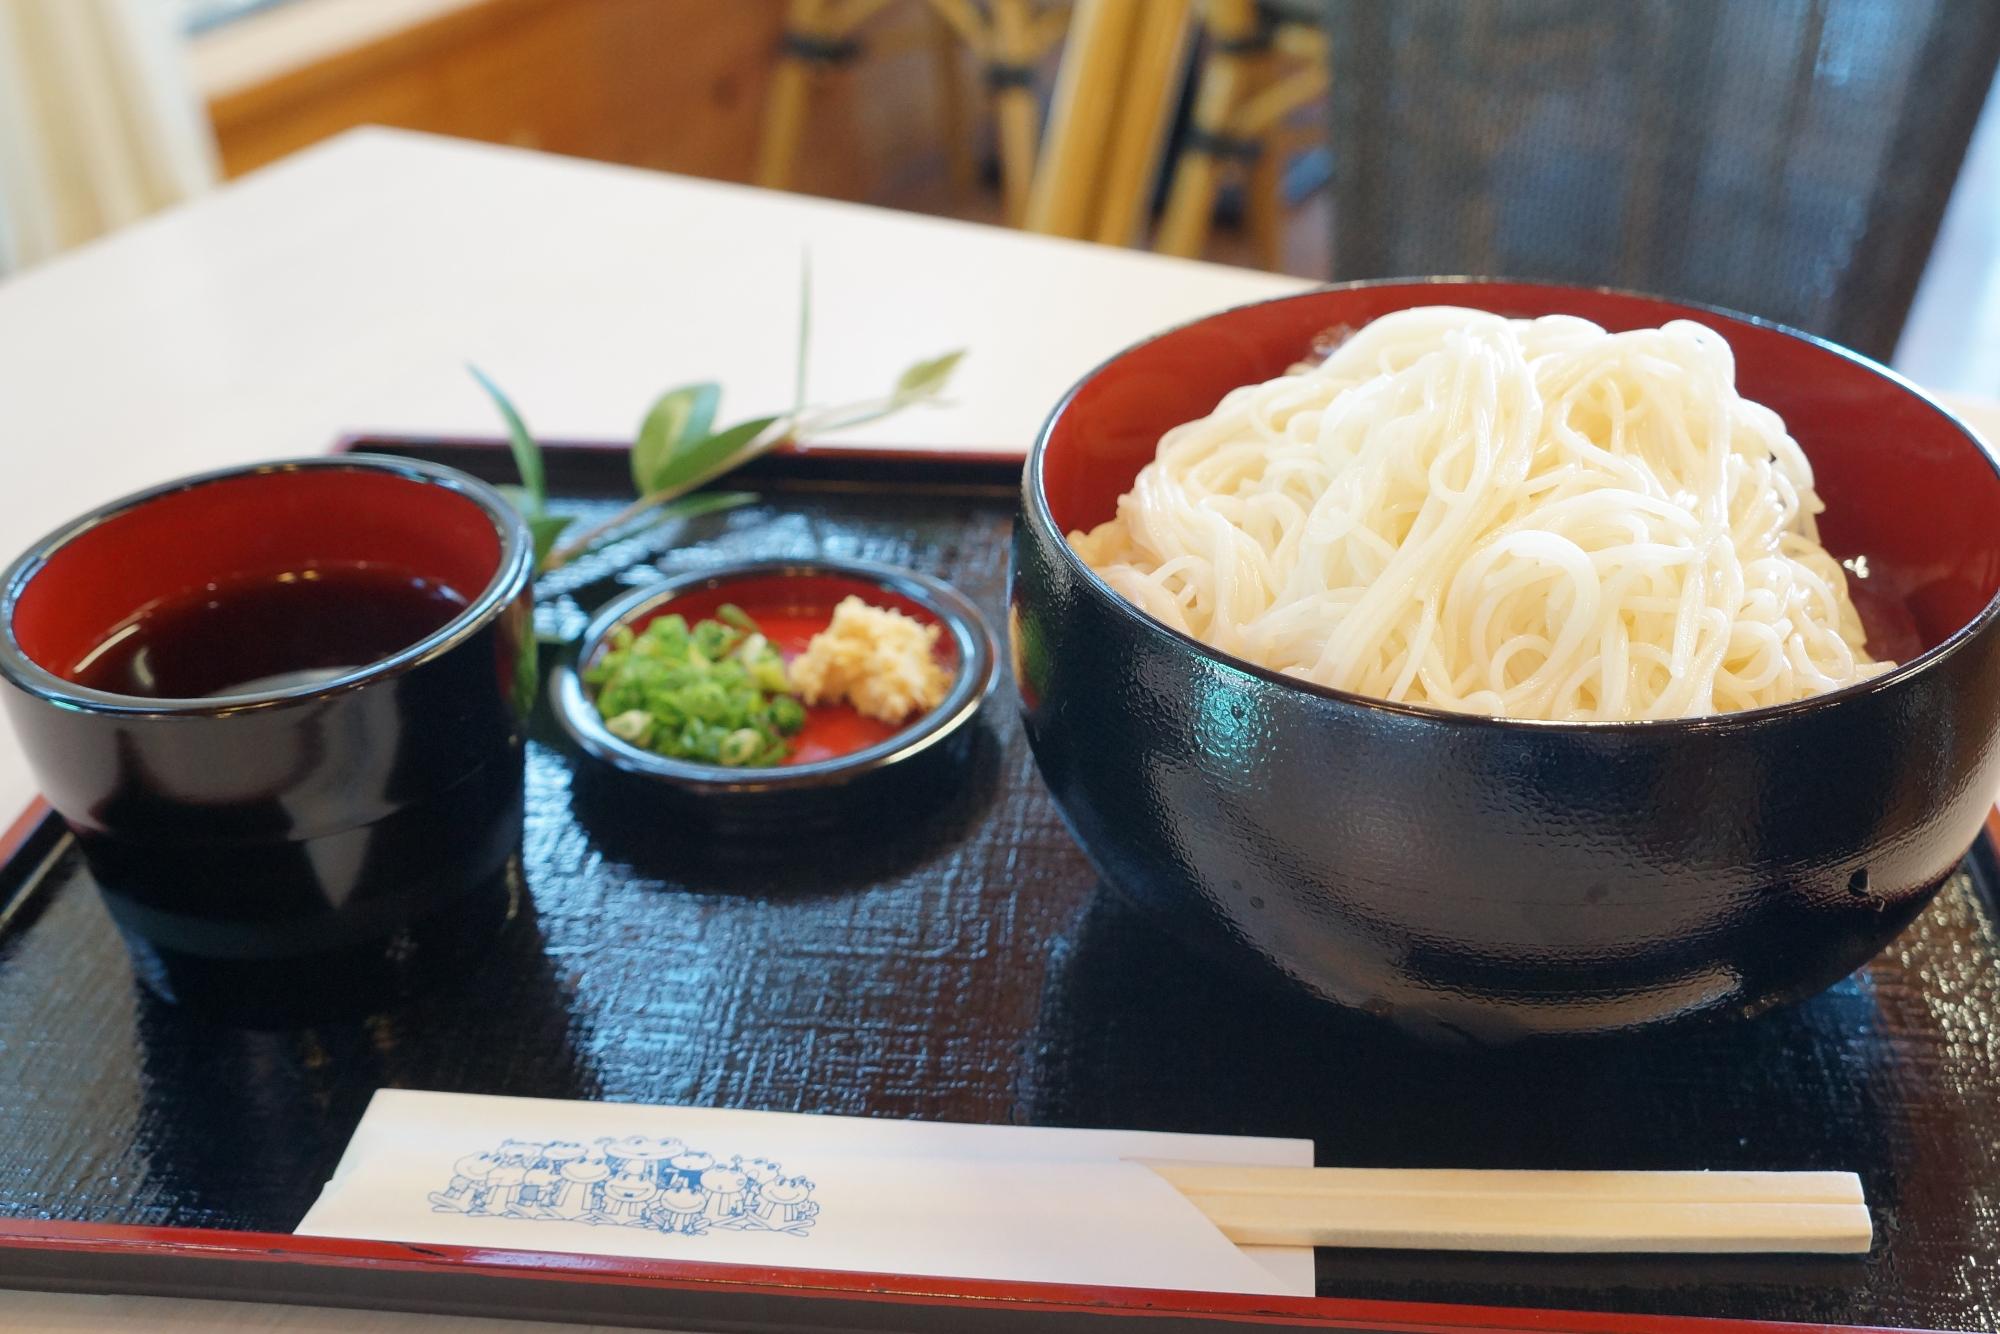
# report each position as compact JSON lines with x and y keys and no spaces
{"x":805,"y":332}
{"x":716,"y":455}
{"x":527,"y":453}
{"x":707,"y":502}
{"x":678,"y":419}
{"x":927,"y":378}
{"x":546,"y":529}
{"x":678,"y":451}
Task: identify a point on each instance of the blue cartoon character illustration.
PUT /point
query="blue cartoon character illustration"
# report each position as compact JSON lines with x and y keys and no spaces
{"x":467,"y":1190}
{"x":659,"y":1184}
{"x":680,"y":1209}
{"x":581,"y":1189}
{"x":505,"y":1182}
{"x":787,"y":1205}
{"x":543,"y":1184}
{"x":725,"y":1188}
{"x":639,"y":1155}
{"x":688,"y":1165}
{"x":626,"y":1197}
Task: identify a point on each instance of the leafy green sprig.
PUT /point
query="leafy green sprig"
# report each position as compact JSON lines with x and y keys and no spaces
{"x":679,"y":448}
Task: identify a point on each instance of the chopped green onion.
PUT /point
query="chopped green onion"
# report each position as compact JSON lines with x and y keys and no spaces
{"x":741,"y":746}
{"x":787,"y":714}
{"x":713,"y":692}
{"x":633,"y":725}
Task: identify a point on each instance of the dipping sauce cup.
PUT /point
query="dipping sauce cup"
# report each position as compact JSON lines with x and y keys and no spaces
{"x":281,"y":709}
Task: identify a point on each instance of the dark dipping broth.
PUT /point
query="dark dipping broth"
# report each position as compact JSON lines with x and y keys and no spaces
{"x":266,"y":631}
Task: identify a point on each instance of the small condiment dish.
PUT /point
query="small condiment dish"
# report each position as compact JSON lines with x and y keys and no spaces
{"x":839,"y":758}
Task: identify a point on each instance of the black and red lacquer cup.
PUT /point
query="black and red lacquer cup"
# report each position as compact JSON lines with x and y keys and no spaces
{"x":271,"y":855}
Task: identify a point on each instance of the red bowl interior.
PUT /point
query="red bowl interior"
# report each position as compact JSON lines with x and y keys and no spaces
{"x":247,"y":526}
{"x":790,"y":609}
{"x":1904,"y":484}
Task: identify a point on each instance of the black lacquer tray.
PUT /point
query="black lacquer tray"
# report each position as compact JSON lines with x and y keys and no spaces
{"x":958,"y":963}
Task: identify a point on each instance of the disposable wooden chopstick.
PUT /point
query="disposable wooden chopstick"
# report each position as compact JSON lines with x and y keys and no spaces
{"x":1689,"y":1187}
{"x":1437,"y":1209}
{"x":1529,"y":1224}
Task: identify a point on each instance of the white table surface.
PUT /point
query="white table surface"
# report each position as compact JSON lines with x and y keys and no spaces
{"x":345,"y":288}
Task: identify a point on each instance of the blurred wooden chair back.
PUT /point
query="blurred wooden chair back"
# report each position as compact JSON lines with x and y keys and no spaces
{"x":1261,"y":60}
{"x":1791,"y":160}
{"x":1008,"y":37}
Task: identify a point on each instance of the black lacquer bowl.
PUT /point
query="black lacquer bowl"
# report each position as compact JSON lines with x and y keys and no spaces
{"x":1487,"y":879}
{"x":302,"y":844}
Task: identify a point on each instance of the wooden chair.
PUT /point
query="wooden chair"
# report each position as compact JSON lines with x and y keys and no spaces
{"x":1262,"y":60}
{"x":1009,"y":37}
{"x":1113,"y":103}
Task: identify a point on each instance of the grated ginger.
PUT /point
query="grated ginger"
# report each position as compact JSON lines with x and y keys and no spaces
{"x":882,"y":662}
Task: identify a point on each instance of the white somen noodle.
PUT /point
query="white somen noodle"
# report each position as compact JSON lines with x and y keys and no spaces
{"x":1526,"y":518}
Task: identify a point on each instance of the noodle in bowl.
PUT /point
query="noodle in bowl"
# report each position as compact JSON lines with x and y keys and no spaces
{"x":1525,"y":518}
{"x":1501,"y":674}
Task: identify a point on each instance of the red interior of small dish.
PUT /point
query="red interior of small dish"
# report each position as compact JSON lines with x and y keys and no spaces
{"x":246,"y":527}
{"x":790,"y":610}
{"x":1903,"y":484}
